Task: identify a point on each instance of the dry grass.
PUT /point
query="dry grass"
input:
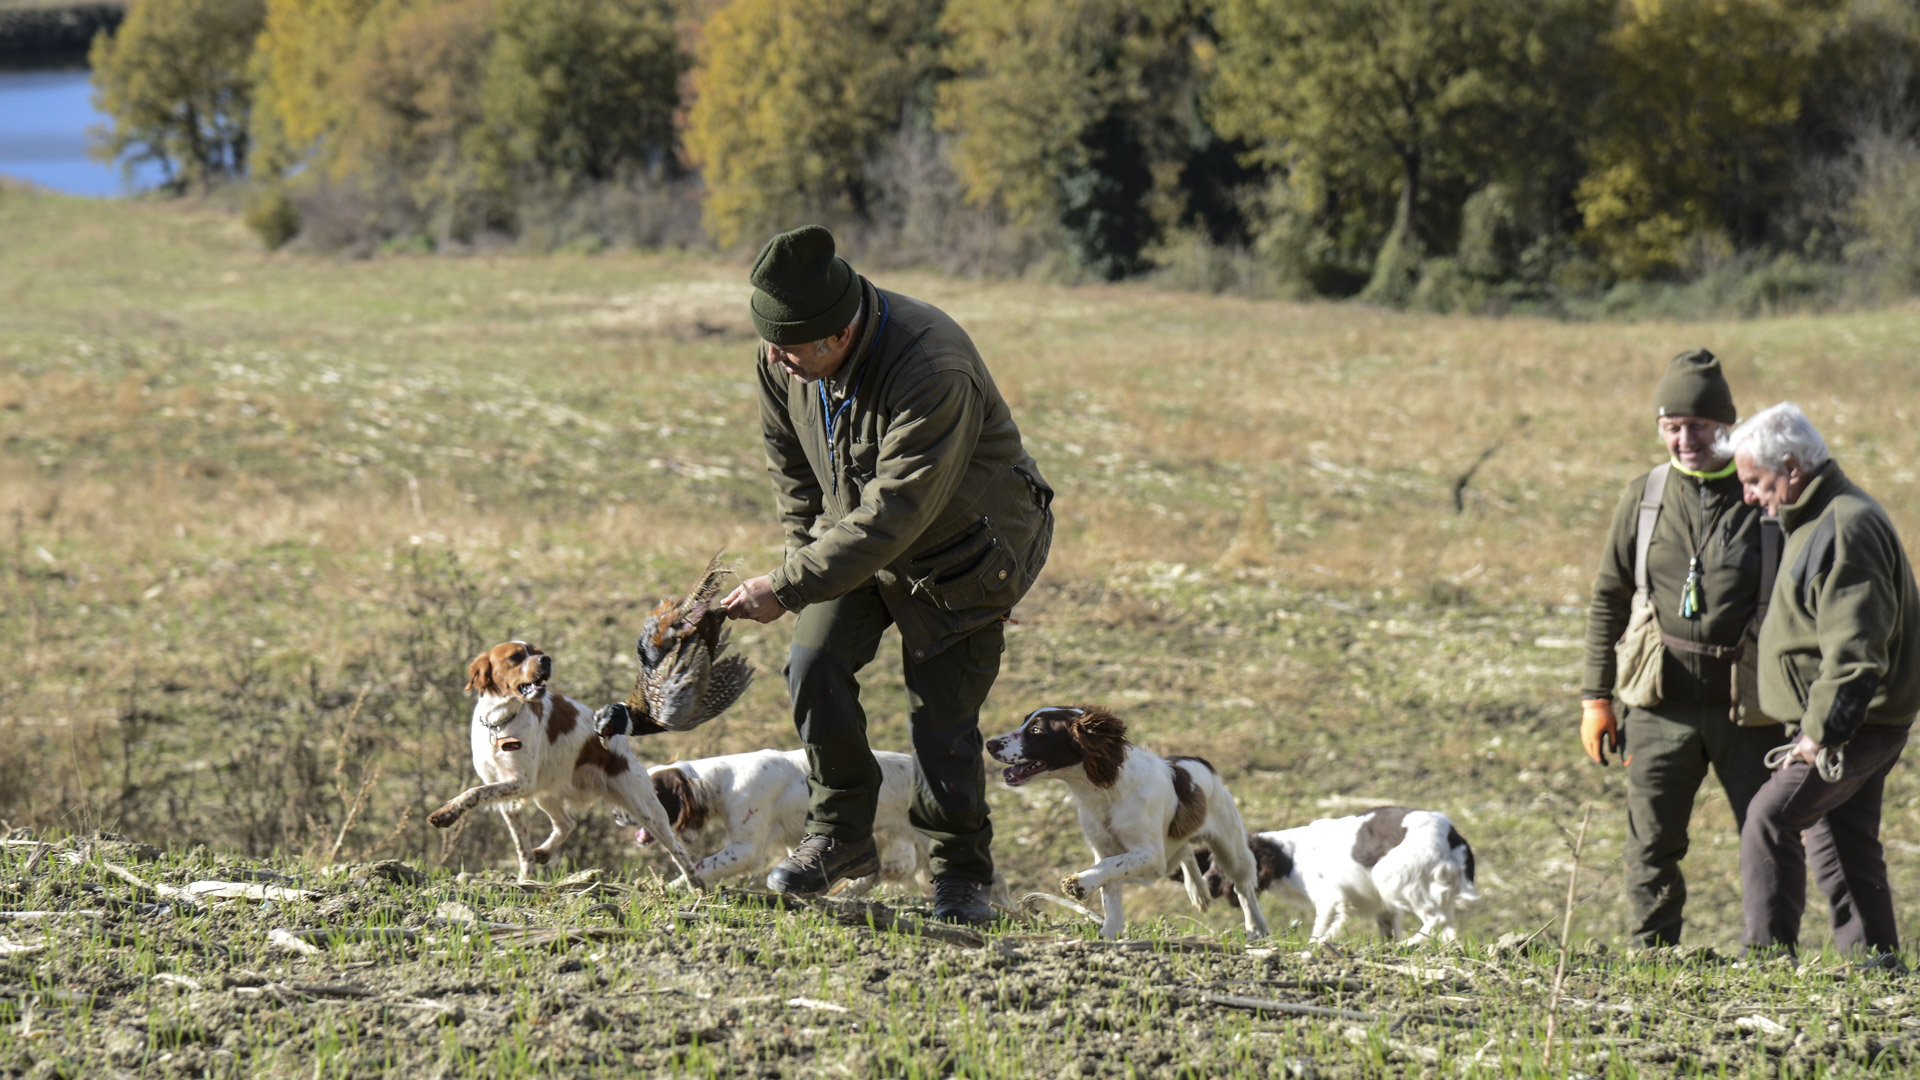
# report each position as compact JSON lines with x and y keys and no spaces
{"x":239,"y":490}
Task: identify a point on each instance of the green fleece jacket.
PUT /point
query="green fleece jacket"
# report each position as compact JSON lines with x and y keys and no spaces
{"x":1729,"y":586}
{"x":909,"y":473}
{"x":1841,"y":645}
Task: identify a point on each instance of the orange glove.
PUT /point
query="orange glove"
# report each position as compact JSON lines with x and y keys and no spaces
{"x":1599,"y":731}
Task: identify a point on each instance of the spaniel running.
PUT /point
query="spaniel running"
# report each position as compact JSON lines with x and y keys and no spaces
{"x":532,"y":744}
{"x":1142,"y":814}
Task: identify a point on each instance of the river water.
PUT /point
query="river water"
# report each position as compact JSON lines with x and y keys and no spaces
{"x":44,"y":117}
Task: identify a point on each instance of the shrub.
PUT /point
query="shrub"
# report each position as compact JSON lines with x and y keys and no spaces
{"x":271,"y":215}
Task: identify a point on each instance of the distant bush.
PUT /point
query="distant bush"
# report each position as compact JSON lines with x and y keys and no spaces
{"x":174,"y":80}
{"x":271,"y":216}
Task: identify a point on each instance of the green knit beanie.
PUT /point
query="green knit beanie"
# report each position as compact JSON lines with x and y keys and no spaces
{"x":802,"y":291}
{"x":1695,"y":386}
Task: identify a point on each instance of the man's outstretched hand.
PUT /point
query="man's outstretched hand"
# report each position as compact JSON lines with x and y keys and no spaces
{"x":753,"y":599}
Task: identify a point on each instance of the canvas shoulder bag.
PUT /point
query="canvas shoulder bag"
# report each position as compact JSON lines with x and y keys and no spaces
{"x":1640,"y":654}
{"x":1746,"y":672}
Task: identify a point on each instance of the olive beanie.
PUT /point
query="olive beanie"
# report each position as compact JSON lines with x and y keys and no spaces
{"x":1695,"y":386}
{"x":802,"y":291}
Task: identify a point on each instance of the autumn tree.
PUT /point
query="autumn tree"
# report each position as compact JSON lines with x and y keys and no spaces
{"x":792,"y":98}
{"x":581,"y":89}
{"x":302,"y":49}
{"x":174,"y":80}
{"x":1079,"y":113}
{"x":406,"y":110}
{"x":1391,"y":101}
{"x":1692,"y":146}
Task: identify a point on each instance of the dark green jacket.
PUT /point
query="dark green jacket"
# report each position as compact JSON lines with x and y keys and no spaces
{"x":1729,"y":585}
{"x":923,"y":486}
{"x":1841,"y":646}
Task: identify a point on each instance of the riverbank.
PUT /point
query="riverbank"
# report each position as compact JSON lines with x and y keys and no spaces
{"x":53,"y":33}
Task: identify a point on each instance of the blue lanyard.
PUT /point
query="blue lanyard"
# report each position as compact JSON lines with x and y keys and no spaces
{"x":832,"y":415}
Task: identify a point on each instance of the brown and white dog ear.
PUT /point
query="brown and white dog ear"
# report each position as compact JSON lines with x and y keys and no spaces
{"x":480,"y":674}
{"x":1102,"y":738}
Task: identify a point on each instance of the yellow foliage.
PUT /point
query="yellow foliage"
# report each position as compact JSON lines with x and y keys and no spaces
{"x":1695,"y":134}
{"x":791,"y":99}
{"x":404,"y":99}
{"x":301,"y":50}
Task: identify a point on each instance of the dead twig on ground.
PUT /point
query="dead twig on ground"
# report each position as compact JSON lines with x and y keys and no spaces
{"x":1566,"y":931}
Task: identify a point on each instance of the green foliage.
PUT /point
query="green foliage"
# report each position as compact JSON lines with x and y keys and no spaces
{"x":1080,"y":114}
{"x":791,"y":100}
{"x":272,"y":216}
{"x":1371,"y":104}
{"x":407,"y":114}
{"x":175,"y":81}
{"x":581,"y":89}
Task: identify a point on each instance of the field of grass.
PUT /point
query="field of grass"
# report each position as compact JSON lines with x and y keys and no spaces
{"x":260,"y":510}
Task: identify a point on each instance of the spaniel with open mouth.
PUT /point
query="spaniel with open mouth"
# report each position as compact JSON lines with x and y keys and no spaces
{"x":1390,"y":864}
{"x":533,"y":744}
{"x":1142,"y":814}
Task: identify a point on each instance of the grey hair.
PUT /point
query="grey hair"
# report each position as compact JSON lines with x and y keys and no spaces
{"x":1771,"y":436}
{"x":820,"y":347}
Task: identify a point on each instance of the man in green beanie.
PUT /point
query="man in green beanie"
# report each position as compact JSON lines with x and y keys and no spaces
{"x":907,"y":500}
{"x":1696,"y":555}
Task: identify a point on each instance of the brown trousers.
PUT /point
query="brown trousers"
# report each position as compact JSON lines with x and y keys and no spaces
{"x":1842,"y":826}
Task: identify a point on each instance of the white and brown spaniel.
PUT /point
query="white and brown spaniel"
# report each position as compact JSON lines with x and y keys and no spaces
{"x":1390,"y":864}
{"x":761,"y":798}
{"x":1142,"y":814}
{"x":532,"y":744}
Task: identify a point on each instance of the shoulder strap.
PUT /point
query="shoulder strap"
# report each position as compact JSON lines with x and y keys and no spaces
{"x":1771,"y":542}
{"x":1643,"y":530}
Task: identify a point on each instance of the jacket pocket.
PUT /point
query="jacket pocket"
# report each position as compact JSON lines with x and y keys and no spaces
{"x":964,"y":573}
{"x":1792,"y":672}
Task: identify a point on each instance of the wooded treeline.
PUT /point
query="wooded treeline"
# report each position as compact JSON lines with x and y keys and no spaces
{"x":1455,"y":153}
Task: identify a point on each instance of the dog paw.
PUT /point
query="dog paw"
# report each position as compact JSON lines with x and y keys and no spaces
{"x":1070,"y":885}
{"x":443,"y":817}
{"x":541,"y":856}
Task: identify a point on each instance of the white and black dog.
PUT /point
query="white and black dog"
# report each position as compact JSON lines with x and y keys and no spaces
{"x":1390,"y":863}
{"x":1142,"y":814}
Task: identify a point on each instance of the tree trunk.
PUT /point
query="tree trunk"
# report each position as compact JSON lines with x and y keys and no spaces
{"x":1396,"y":268}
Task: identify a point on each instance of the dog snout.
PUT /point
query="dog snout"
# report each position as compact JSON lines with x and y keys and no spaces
{"x":995,"y":745}
{"x":543,"y":666}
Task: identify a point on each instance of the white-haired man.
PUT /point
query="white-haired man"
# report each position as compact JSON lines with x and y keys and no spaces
{"x":1840,"y":665}
{"x":1683,"y":543}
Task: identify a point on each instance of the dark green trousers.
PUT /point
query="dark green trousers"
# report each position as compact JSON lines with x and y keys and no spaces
{"x":832,"y":642}
{"x":1669,"y":749}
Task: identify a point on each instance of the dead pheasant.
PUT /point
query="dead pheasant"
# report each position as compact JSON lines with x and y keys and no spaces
{"x":684,"y":680}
